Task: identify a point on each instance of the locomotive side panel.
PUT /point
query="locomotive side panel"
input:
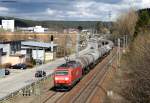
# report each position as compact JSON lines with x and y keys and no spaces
{"x":76,"y":74}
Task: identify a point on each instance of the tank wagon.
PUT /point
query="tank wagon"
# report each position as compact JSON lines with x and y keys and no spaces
{"x":68,"y":74}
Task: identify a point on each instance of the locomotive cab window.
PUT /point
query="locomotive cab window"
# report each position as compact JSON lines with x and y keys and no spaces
{"x":70,"y":64}
{"x":78,"y":64}
{"x":61,"y":73}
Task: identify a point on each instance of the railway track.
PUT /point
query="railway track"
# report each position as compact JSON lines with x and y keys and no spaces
{"x":54,"y":97}
{"x":49,"y":97}
{"x":85,"y":93}
{"x":100,"y":90}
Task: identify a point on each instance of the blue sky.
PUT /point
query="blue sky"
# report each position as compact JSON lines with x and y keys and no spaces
{"x":69,"y":9}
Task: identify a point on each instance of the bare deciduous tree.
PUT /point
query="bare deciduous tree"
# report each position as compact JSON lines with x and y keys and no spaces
{"x":126,"y":23}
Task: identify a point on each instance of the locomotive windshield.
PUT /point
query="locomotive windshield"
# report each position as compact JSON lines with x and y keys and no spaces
{"x":65,"y":65}
{"x":64,"y":72}
{"x":69,"y":64}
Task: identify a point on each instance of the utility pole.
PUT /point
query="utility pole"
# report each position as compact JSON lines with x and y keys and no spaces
{"x":118,"y":61}
{"x":52,"y":39}
{"x":1,"y":57}
{"x":118,"y":53}
{"x":124,"y":43}
{"x":109,"y":15}
{"x":78,"y":41}
{"x":36,"y":56}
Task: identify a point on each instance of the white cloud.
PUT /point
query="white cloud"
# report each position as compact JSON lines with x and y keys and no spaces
{"x":92,"y":10}
{"x":84,"y":5}
{"x":142,"y":4}
{"x":3,"y":9}
{"x":50,"y":11}
{"x":95,"y":10}
{"x":101,"y":10}
{"x":83,"y":10}
{"x":138,"y":4}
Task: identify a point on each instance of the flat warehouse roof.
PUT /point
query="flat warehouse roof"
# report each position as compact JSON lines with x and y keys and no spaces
{"x":38,"y":44}
{"x":2,"y":46}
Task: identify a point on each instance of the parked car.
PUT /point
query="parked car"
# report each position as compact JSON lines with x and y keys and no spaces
{"x":7,"y":72}
{"x":19,"y":66}
{"x":40,"y":73}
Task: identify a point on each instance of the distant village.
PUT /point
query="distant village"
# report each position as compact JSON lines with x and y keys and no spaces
{"x":9,"y":25}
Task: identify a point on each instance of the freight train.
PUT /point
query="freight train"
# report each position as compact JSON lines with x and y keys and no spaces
{"x":69,"y":73}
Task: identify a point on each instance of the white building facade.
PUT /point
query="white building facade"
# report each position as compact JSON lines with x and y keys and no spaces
{"x":38,"y":29}
{"x":8,"y":25}
{"x":35,"y":29}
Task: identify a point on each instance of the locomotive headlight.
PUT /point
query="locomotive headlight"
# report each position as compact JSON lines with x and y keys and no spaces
{"x":66,"y":78}
{"x":56,"y":78}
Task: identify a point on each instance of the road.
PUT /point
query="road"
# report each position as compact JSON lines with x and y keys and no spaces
{"x":15,"y":82}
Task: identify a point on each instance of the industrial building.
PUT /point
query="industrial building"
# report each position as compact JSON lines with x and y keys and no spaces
{"x":38,"y":50}
{"x":10,"y":47}
{"x":9,"y":51}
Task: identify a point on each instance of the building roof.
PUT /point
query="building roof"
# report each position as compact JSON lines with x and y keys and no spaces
{"x":9,"y":41}
{"x":38,"y":44}
{"x":2,"y":46}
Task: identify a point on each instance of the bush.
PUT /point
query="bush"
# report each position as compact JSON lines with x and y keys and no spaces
{"x":7,"y":65}
{"x":29,"y":65}
{"x":138,"y":63}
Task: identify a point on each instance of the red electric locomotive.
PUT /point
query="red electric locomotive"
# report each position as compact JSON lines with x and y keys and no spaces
{"x":68,"y":74}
